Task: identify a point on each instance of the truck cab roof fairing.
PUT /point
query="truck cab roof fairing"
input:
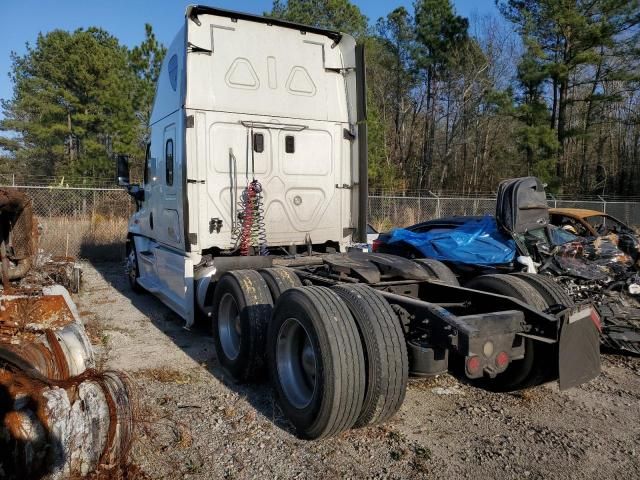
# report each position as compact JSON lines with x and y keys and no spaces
{"x":194,"y":10}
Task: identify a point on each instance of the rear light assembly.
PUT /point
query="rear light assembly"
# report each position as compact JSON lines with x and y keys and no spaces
{"x":502,"y":360}
{"x":487,"y":363}
{"x":375,"y":245}
{"x":473,"y":365}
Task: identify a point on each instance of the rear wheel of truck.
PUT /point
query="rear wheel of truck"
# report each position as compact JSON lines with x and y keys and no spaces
{"x":385,"y":352}
{"x":279,"y":280}
{"x":242,"y":305}
{"x":132,"y":267}
{"x":526,"y":372}
{"x":316,"y":361}
{"x":553,"y":293}
{"x":438,"y":270}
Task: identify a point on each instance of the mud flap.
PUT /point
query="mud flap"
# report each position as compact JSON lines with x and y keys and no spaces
{"x":579,"y":350}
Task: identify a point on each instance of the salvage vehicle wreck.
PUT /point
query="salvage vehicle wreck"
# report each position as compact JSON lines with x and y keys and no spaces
{"x":59,"y":417}
{"x":591,"y":223}
{"x":587,"y":269}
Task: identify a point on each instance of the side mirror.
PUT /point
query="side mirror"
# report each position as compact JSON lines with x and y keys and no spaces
{"x":122,"y":170}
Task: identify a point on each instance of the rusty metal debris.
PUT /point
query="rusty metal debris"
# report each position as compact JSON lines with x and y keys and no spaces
{"x":18,"y":235}
{"x":596,"y":270}
{"x":59,"y":417}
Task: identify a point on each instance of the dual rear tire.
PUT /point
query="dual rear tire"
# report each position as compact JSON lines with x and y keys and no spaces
{"x":316,"y":362}
{"x":337,"y":357}
{"x":242,"y":304}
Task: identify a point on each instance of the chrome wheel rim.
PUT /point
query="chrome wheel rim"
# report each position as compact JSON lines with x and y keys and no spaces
{"x":131,"y":267}
{"x":229,"y":326}
{"x":297,"y":363}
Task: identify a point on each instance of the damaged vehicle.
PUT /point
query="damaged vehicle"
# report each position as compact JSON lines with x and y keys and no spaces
{"x":521,"y":241}
{"x":591,"y":223}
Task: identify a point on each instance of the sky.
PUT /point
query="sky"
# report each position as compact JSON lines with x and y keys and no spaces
{"x":22,"y":20}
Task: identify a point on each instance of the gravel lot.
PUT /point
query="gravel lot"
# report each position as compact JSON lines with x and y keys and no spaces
{"x":196,"y":423}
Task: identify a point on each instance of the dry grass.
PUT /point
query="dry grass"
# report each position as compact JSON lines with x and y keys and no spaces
{"x":184,"y":437}
{"x":530,"y":396}
{"x":165,"y":375}
{"x":95,"y":237}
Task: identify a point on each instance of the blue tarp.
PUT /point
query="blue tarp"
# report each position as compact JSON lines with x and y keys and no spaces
{"x":477,"y":242}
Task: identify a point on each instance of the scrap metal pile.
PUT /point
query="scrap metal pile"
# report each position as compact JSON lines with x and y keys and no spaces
{"x":592,"y":269}
{"x":597,"y":270}
{"x":59,"y":417}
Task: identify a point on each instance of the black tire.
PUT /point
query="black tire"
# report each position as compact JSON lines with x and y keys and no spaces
{"x":552,"y":293}
{"x":385,"y":352}
{"x":510,"y":286}
{"x":528,"y":371}
{"x":438,"y":270}
{"x":133,"y":272}
{"x":279,"y":280}
{"x":331,"y":395}
{"x":240,"y":347}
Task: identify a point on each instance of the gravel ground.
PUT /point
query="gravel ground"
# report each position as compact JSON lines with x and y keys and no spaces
{"x":194,"y":422}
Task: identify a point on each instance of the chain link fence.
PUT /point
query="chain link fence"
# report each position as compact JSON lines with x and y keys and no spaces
{"x":81,"y":222}
{"x":92,"y":222}
{"x":388,"y":211}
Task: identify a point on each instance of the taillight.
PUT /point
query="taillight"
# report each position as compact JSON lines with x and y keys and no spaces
{"x":502,"y":360}
{"x":375,"y":245}
{"x":473,"y":365}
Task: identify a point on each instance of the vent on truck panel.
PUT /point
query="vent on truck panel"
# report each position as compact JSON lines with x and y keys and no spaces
{"x":300,"y":82}
{"x":242,"y":75}
{"x":173,"y":72}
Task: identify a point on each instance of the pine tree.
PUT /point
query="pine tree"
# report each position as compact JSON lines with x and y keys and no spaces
{"x":568,"y":38}
{"x":439,"y":32}
{"x":79,"y":99}
{"x":72,"y":107}
{"x":145,"y":61}
{"x":339,"y":15}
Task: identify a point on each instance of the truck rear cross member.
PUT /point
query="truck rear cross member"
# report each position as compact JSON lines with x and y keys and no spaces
{"x":252,"y":197}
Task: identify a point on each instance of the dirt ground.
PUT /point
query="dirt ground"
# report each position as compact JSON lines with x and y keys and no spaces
{"x":194,"y":422}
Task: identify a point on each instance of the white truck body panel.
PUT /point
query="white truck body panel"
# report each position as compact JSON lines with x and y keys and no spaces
{"x":223,"y":80}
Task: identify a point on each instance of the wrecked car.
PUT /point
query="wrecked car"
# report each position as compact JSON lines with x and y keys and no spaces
{"x":591,"y":268}
{"x":591,"y":223}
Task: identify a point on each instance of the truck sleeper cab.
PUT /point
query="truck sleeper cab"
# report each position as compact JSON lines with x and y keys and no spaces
{"x":254,"y":190}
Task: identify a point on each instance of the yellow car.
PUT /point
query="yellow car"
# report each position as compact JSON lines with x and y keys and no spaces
{"x":587,"y":223}
{"x":591,"y":223}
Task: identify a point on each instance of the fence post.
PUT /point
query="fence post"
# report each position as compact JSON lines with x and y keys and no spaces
{"x":438,"y":213}
{"x":604,"y":204}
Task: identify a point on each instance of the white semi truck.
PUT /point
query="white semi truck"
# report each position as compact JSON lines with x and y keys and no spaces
{"x":255,"y":188}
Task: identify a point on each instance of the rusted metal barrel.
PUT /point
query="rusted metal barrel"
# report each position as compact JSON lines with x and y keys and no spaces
{"x":63,"y":429}
{"x":18,"y":233}
{"x":59,"y":417}
{"x":45,"y":330}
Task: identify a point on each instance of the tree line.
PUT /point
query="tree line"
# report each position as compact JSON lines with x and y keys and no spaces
{"x":549,"y":88}
{"x":79,"y":98}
